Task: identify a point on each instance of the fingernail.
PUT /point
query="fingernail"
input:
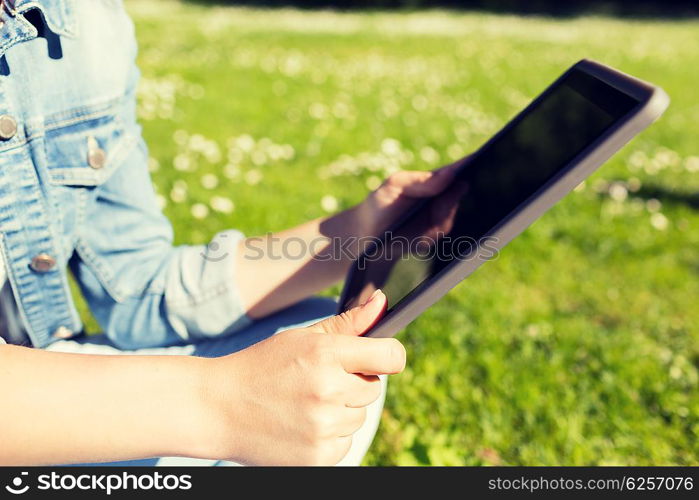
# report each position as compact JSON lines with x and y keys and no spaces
{"x":441,"y":171}
{"x":373,"y":296}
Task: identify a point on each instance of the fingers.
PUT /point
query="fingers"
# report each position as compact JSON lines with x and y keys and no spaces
{"x":332,"y":452}
{"x":417,"y":184}
{"x":367,"y":356}
{"x":362,"y":390}
{"x":370,"y":356}
{"x":356,"y":321}
{"x":343,"y":447}
{"x":353,"y":421}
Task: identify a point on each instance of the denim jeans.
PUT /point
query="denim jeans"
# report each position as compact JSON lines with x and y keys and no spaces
{"x":302,"y":314}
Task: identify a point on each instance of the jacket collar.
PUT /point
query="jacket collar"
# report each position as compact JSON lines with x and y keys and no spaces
{"x":57,"y":13}
{"x":14,"y":29}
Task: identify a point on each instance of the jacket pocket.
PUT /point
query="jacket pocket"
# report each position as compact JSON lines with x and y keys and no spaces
{"x":84,"y":148}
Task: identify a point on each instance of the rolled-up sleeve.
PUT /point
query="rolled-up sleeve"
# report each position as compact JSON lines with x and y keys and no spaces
{"x":201,"y":295}
{"x":142,"y":289}
{"x":192,"y":295}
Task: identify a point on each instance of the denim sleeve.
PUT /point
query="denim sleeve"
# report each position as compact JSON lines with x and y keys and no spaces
{"x":143,"y":290}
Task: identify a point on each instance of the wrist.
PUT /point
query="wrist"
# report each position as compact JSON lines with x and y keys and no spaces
{"x":202,"y":417}
{"x":366,"y":219}
{"x":217,"y":417}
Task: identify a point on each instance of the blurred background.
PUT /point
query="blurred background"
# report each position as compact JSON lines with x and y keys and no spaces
{"x":578,"y":345}
{"x":546,"y":7}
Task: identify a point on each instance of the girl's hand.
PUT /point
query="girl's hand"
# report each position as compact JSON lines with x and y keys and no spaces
{"x":297,"y":398}
{"x":398,"y":193}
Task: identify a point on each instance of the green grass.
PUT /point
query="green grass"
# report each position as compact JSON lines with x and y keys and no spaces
{"x":579,"y":344}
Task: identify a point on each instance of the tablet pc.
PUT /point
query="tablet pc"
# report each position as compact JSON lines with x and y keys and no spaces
{"x":542,"y":154}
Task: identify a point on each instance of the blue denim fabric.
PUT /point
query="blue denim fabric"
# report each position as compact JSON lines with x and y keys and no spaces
{"x":70,"y":85}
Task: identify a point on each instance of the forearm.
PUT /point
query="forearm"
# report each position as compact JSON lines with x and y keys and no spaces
{"x":70,"y":408}
{"x":280,"y":269}
{"x":272,"y":274}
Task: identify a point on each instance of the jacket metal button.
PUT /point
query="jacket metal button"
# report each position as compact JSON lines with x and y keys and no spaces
{"x":8,"y":127}
{"x":62,"y":333}
{"x":43,"y":263}
{"x":96,"y":158}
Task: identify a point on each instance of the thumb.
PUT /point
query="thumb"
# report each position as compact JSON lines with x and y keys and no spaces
{"x":358,"y":320}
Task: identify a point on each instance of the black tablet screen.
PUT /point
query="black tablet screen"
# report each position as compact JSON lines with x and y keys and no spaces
{"x":531,"y":150}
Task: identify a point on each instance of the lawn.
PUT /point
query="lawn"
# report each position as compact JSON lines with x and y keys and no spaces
{"x":579,"y":344}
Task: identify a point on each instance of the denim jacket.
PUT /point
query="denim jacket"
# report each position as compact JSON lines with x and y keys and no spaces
{"x":75,"y":191}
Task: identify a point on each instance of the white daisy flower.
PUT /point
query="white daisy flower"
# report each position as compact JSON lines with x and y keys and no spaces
{"x":691,"y":164}
{"x":178,"y":194}
{"x":183,"y":162}
{"x":209,"y":181}
{"x":222,"y":204}
{"x":390,"y":147}
{"x":253,"y":177}
{"x":329,"y":203}
{"x":618,"y":192}
{"x":373,"y":182}
{"x":634,"y":184}
{"x":429,"y":155}
{"x":161,"y":201}
{"x":231,"y":171}
{"x":659,"y":221}
{"x":180,"y":137}
{"x":199,"y":211}
{"x":653,"y":205}
{"x":245,"y":142}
